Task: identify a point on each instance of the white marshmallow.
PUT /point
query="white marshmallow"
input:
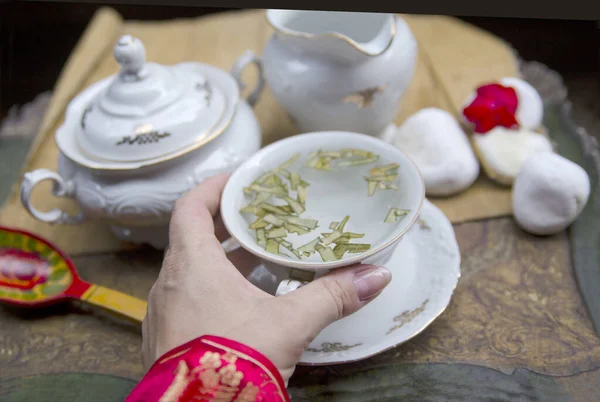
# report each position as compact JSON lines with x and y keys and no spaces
{"x":504,"y":151}
{"x":530,"y":109}
{"x":549,"y":194}
{"x":433,"y":139}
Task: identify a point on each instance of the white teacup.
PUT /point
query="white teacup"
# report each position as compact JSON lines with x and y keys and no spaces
{"x":336,"y":194}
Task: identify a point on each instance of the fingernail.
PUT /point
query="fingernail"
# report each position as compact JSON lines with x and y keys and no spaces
{"x":369,"y":282}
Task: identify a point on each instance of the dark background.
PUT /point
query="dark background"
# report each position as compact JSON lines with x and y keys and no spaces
{"x":37,"y":37}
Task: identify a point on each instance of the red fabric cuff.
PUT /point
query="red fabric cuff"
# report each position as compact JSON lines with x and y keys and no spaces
{"x":211,"y":368}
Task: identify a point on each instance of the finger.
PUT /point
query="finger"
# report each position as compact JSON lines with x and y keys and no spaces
{"x":192,"y":220}
{"x":337,"y":295}
{"x":193,"y":247}
{"x":244,"y":261}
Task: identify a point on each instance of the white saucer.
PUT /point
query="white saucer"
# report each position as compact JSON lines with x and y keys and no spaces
{"x":425,"y":268}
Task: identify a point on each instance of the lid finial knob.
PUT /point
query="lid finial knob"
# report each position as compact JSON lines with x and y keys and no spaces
{"x":130,"y":53}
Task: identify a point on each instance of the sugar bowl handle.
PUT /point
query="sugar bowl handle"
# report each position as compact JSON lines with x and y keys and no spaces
{"x":60,"y":188}
{"x":240,"y":64}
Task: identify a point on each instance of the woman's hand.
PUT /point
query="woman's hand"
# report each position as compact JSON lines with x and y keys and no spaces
{"x":199,"y":291}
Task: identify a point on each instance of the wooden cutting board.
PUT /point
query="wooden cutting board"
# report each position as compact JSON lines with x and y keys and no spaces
{"x":453,"y":59}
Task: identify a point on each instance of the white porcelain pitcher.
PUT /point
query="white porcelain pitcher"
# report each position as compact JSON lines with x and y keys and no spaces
{"x":339,"y":70}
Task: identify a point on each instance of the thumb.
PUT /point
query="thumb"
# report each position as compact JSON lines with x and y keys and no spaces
{"x":337,"y":295}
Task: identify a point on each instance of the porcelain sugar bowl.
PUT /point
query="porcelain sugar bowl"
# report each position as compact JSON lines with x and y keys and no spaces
{"x":134,"y":142}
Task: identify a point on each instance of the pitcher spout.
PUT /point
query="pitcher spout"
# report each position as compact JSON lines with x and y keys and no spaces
{"x":345,"y":36}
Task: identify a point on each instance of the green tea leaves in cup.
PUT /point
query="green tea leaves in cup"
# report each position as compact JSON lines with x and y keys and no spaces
{"x":278,"y":201}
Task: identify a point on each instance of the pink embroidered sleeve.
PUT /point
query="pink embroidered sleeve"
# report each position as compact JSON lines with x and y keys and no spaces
{"x":211,"y":368}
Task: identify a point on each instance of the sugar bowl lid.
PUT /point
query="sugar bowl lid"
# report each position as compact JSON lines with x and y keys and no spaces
{"x":150,"y":111}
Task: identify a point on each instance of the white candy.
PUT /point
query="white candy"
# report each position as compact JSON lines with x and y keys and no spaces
{"x":504,"y":151}
{"x":549,"y":194}
{"x":530,"y":109}
{"x":433,"y":139}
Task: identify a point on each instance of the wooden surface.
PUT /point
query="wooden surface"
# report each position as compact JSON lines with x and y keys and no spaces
{"x":441,"y":80}
{"x":516,"y":309}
